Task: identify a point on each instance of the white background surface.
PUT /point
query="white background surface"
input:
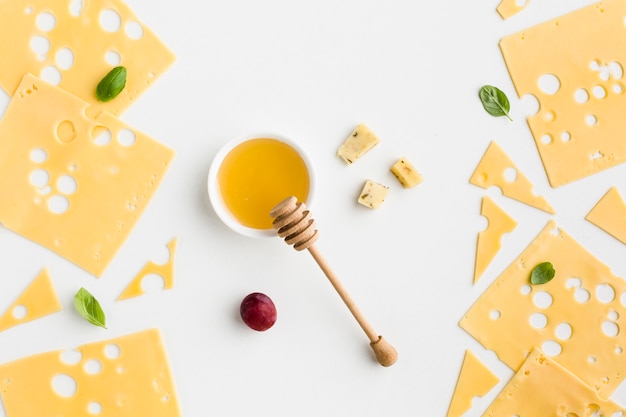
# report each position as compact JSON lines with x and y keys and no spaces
{"x":313,"y":70}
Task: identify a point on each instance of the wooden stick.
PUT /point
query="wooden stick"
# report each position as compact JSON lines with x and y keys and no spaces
{"x":293,"y":222}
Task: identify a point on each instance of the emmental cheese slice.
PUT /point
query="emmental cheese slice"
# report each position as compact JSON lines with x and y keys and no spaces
{"x":577,"y":317}
{"x":508,"y":8}
{"x":360,"y":141}
{"x":574,"y":66}
{"x":77,"y":182}
{"x":39,"y":299}
{"x":497,"y":169}
{"x":47,"y":38}
{"x":165,"y":271}
{"x":489,"y":240}
{"x":125,"y":377}
{"x":541,"y":387}
{"x":475,"y":380}
{"x":609,"y":214}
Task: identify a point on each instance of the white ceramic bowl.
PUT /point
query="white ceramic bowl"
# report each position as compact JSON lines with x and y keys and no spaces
{"x":215,"y":196}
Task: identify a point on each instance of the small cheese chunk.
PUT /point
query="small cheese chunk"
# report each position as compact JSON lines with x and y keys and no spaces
{"x":406,"y":173}
{"x":360,"y":141}
{"x":373,"y":194}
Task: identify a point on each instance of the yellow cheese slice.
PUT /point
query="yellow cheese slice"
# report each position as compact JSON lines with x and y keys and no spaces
{"x":125,"y":377}
{"x":39,"y":299}
{"x":574,"y":66}
{"x":542,"y":387}
{"x":508,"y":8}
{"x":165,"y":271}
{"x":609,"y":214}
{"x":47,"y":38}
{"x":489,"y":240}
{"x":576,"y":317}
{"x":77,"y":183}
{"x":475,"y":380}
{"x":497,"y":169}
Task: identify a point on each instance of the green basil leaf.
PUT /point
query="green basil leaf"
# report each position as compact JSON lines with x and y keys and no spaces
{"x":112,"y":84}
{"x":88,"y":307}
{"x":542,"y":273}
{"x":495,"y":102}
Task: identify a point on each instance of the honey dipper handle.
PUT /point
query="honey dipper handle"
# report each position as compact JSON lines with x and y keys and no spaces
{"x":386,"y":354}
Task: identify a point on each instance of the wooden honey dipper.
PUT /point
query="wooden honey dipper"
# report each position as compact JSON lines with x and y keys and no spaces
{"x":294,"y":223}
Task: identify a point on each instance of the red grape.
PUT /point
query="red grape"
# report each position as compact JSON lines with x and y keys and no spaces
{"x":258,"y":311}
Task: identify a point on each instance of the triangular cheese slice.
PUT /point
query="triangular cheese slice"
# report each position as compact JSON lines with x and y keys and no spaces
{"x":38,"y":300}
{"x":165,"y":271}
{"x":492,"y":170}
{"x":609,"y":214}
{"x":508,"y":8}
{"x":490,"y":240}
{"x":475,"y":380}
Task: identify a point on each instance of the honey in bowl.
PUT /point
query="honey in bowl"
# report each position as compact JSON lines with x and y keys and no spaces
{"x":258,"y":174}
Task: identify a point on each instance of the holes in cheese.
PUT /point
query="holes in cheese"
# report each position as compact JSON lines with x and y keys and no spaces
{"x":527,"y":394}
{"x":497,"y":169}
{"x":573,"y":317}
{"x":76,"y":7}
{"x":39,"y":299}
{"x":165,"y":272}
{"x":71,"y":166}
{"x":609,"y":214}
{"x":574,"y":68}
{"x":489,"y":241}
{"x":475,"y":380}
{"x":47,"y":40}
{"x":135,"y":382}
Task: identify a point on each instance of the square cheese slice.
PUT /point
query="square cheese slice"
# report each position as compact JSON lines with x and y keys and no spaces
{"x":541,"y":387}
{"x":48,"y":38}
{"x":577,"y":317}
{"x":574,"y":66}
{"x":77,"y":182}
{"x":128,"y":376}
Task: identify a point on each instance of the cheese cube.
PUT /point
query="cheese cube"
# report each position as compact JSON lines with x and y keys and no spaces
{"x":406,"y":173}
{"x":360,"y":141}
{"x":373,"y":194}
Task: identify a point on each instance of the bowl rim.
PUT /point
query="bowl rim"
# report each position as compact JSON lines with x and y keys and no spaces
{"x":213,"y":187}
